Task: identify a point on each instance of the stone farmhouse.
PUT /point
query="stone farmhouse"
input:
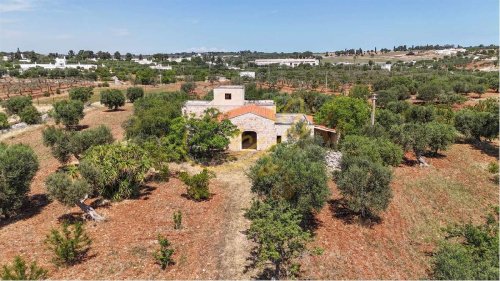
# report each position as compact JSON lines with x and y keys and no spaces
{"x":259,"y":124}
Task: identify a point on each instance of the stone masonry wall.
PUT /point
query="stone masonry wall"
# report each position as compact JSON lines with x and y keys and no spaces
{"x":265,"y":129}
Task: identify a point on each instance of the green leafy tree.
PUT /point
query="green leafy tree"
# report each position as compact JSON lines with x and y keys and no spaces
{"x":347,"y":115}
{"x":71,"y":192}
{"x":115,"y":171}
{"x":198,"y":185}
{"x":207,"y":137}
{"x":15,"y":105}
{"x":441,"y":136}
{"x":30,"y":115}
{"x":364,"y":185}
{"x":378,"y":150}
{"x":275,"y":228}
{"x":82,"y":94}
{"x":430,"y":91}
{"x":112,"y":98}
{"x":156,"y":116}
{"x":18,"y":165}
{"x":386,"y":118}
{"x":476,"y":124}
{"x":20,"y":271}
{"x":412,"y":137}
{"x":360,"y":92}
{"x":70,"y":245}
{"x":294,"y":172}
{"x":469,"y":252}
{"x":68,"y":112}
{"x":420,"y":114}
{"x":134,"y":93}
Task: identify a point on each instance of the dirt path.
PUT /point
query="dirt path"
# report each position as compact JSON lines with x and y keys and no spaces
{"x":236,"y":247}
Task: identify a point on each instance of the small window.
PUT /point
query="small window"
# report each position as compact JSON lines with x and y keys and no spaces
{"x":228,"y":96}
{"x":278,"y":139}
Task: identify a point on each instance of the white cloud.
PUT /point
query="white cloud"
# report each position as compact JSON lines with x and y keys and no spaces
{"x":16,"y":6}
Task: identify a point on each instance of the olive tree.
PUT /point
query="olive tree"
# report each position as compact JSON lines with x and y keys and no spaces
{"x":68,"y":112}
{"x":364,"y":184}
{"x":82,"y":94}
{"x":279,"y":239}
{"x":207,"y":137}
{"x":18,"y":165}
{"x":441,"y":136}
{"x":347,"y":115}
{"x":134,"y":93}
{"x":112,"y":98}
{"x":15,"y":105}
{"x":294,"y":172}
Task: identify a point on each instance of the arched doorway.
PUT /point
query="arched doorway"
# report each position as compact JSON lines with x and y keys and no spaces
{"x":249,"y":140}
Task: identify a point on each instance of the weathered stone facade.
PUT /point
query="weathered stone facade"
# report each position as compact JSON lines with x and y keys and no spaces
{"x":265,"y":129}
{"x":259,"y":117}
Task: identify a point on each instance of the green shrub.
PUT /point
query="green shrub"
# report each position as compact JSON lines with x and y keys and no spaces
{"x":19,"y":271}
{"x":68,"y":112}
{"x":18,"y":165}
{"x":207,"y":137}
{"x":82,"y":94}
{"x":198,"y":185}
{"x":157,"y":115}
{"x":112,"y":98}
{"x":15,"y":105}
{"x":115,"y":171}
{"x":278,"y":236}
{"x":364,"y":185}
{"x":178,"y":220}
{"x":469,"y":252}
{"x":441,"y":136}
{"x":378,"y":150}
{"x":134,"y":93}
{"x":4,"y":121}
{"x":163,"y":256}
{"x":348,"y":115}
{"x":493,"y":167}
{"x":295,"y":173}
{"x":188,"y":87}
{"x":30,"y":115}
{"x":70,"y":245}
{"x":360,"y":92}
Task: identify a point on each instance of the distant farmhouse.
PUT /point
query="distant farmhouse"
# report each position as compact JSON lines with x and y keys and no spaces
{"x":259,"y":124}
{"x":60,"y":63}
{"x":287,"y":62}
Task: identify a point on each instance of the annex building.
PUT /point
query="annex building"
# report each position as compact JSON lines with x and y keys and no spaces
{"x":259,"y":124}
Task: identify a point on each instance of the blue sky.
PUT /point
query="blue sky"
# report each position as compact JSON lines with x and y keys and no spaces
{"x":266,"y":25}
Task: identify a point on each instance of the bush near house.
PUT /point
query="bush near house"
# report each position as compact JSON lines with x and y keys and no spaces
{"x":295,"y":173}
{"x":198,"y":185}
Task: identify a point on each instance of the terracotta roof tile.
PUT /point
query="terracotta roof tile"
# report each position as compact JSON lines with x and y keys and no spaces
{"x":252,"y":108}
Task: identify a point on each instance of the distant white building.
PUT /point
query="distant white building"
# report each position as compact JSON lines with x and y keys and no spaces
{"x":249,"y":74}
{"x":449,"y":52}
{"x":287,"y":62}
{"x":142,"y":61}
{"x":161,"y":67}
{"x":60,"y":63}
